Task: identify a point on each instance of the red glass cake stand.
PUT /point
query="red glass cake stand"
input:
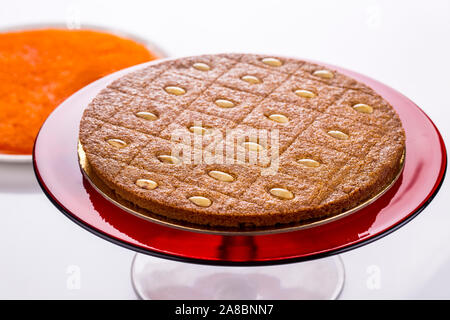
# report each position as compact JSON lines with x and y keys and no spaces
{"x":264,"y":266}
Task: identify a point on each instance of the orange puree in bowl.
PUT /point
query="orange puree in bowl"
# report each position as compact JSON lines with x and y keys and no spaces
{"x":41,"y":68}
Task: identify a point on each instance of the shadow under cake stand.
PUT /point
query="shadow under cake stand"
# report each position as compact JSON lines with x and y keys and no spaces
{"x":283,"y":264}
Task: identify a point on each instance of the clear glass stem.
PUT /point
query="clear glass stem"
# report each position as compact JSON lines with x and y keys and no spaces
{"x":161,"y":279}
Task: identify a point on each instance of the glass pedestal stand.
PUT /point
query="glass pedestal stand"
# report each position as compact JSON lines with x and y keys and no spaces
{"x":55,"y":161}
{"x":157,"y":279}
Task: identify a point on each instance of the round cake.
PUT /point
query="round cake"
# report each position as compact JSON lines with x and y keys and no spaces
{"x":242,"y":140}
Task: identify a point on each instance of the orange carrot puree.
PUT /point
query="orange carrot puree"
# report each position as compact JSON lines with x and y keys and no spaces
{"x":41,"y":68}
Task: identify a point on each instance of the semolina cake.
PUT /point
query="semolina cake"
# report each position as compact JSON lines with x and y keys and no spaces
{"x":242,"y":140}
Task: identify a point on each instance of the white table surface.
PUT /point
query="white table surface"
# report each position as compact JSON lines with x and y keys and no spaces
{"x":404,"y":44}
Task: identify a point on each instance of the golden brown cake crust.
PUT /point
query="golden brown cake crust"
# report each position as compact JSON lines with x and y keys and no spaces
{"x":337,"y":142}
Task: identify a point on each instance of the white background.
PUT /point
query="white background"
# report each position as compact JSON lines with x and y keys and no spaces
{"x":404,"y":44}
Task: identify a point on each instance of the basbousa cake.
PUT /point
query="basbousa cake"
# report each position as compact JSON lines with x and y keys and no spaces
{"x":242,"y":140}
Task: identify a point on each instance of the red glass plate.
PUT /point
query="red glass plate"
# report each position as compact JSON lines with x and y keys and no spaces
{"x":58,"y":172}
